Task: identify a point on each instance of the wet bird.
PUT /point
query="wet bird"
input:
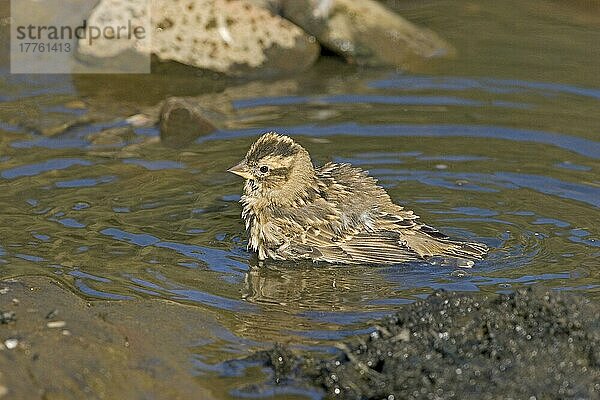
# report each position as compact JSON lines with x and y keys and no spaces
{"x":335,"y":213}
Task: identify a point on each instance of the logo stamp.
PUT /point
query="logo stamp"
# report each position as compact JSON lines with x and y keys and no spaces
{"x":50,"y":37}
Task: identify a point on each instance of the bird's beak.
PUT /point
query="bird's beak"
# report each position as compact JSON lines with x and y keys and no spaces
{"x":242,"y":170}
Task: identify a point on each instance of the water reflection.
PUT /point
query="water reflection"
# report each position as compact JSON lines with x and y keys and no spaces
{"x":297,"y":287}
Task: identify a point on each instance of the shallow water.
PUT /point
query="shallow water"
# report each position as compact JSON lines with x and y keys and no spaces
{"x":499,"y":145}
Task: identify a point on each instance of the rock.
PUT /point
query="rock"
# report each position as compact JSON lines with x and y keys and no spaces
{"x":56,"y":324}
{"x":11,"y":343}
{"x":529,"y":344}
{"x":182,"y":121}
{"x":232,"y":37}
{"x":364,"y":32}
{"x":7,"y":316}
{"x":118,"y":136}
{"x":45,"y":115}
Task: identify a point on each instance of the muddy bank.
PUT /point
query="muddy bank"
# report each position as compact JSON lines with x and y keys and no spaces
{"x":531,"y":344}
{"x":57,"y":346}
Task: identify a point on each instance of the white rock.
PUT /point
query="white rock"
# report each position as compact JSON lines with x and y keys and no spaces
{"x":231,"y":37}
{"x":11,"y":343}
{"x":56,"y":324}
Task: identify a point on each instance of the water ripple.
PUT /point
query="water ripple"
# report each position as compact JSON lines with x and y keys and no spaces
{"x":578,"y":145}
{"x":491,"y":85}
{"x":45,"y":166}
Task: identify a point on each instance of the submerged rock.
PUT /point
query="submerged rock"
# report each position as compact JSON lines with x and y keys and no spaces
{"x":364,"y":32}
{"x":119,"y":136}
{"x":529,"y":343}
{"x":232,"y":37}
{"x":7,"y":316}
{"x":182,"y":121}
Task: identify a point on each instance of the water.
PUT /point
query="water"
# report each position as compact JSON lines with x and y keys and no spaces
{"x":499,"y":145}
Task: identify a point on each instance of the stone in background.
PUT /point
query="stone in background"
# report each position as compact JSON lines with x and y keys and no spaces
{"x":231,"y":37}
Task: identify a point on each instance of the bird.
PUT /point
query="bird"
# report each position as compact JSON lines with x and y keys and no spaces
{"x":335,"y":213}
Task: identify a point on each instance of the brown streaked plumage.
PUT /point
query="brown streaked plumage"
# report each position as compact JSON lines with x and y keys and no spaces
{"x":334,"y":213}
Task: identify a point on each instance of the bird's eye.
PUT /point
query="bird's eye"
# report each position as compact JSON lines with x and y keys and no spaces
{"x":264,"y":169}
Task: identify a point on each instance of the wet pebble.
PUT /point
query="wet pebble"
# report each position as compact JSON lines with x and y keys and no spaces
{"x":459,"y":273}
{"x":579,"y":273}
{"x":76,"y":105}
{"x":56,"y":324}
{"x":7,"y":316}
{"x":11,"y":343}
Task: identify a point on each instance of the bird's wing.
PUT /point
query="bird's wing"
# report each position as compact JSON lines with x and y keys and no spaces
{"x":372,"y":247}
{"x":382,"y":247}
{"x":355,"y":221}
{"x":427,"y":241}
{"x":352,"y":221}
{"x":363,"y":205}
{"x":320,"y":233}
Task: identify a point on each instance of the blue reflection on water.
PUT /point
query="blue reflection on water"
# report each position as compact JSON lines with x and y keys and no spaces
{"x":212,"y":300}
{"x":578,"y":145}
{"x":356,"y":99}
{"x":70,"y":223}
{"x":45,"y":166}
{"x":85,"y":289}
{"x":491,"y":85}
{"x":154,"y":165}
{"x":140,"y":239}
{"x":85,"y":182}
{"x":215,"y":259}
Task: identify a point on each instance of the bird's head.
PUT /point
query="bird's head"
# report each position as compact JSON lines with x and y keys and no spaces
{"x":276,"y":167}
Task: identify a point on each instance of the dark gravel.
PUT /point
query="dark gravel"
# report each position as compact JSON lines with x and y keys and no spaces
{"x":528,"y":345}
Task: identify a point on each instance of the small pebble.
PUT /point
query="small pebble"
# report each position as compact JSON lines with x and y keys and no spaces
{"x":465,"y":264}
{"x":4,"y":290}
{"x":579,"y":273}
{"x":319,"y":140}
{"x":56,"y":324}
{"x":459,"y":273}
{"x":7,"y":316}
{"x":11,"y":343}
{"x":139,"y":120}
{"x":75,"y":105}
{"x":441,"y":166}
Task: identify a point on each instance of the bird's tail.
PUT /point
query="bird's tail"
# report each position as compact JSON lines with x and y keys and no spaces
{"x":466,"y":250}
{"x":428,"y":246}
